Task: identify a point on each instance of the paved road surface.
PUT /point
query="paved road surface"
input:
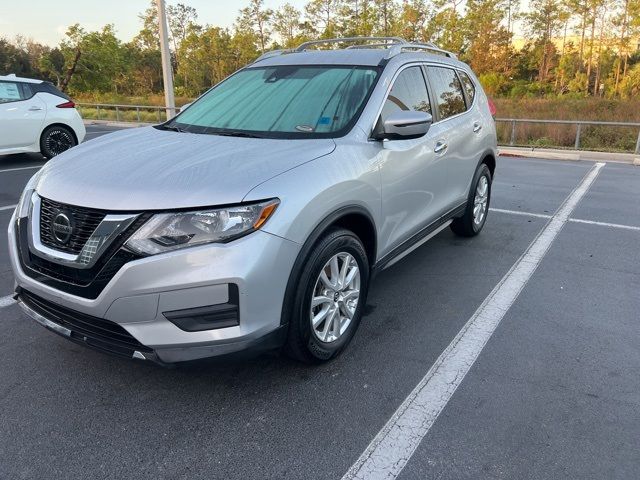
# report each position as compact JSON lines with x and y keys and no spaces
{"x":555,"y":393}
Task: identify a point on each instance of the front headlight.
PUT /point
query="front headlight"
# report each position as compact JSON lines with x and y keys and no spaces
{"x":169,"y":231}
{"x":22,"y":210}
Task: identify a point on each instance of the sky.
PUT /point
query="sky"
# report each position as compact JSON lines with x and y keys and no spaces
{"x":46,"y":21}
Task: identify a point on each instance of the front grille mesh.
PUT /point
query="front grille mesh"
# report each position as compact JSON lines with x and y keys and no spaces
{"x":86,"y":220}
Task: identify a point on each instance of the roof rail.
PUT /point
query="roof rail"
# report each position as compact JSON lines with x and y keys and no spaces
{"x":382,"y":41}
{"x":427,"y":47}
{"x":395,"y":45}
{"x":272,"y":53}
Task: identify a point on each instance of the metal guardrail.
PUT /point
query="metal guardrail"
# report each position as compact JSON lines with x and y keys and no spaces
{"x":120,"y":109}
{"x":578,"y":123}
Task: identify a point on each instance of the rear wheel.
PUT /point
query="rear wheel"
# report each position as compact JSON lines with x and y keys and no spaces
{"x":329,"y":298}
{"x":55,"y":140}
{"x":475,"y":214}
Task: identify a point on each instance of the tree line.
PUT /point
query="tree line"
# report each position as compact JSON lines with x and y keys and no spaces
{"x":577,"y":48}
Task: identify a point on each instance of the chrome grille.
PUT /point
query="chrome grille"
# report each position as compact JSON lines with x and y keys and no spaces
{"x":85,"y":222}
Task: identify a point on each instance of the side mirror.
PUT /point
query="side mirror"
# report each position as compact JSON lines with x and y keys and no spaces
{"x":403,"y":125}
{"x":183,"y":107}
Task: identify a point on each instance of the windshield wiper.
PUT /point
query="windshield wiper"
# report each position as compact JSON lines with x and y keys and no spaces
{"x":173,"y":128}
{"x":235,"y":133}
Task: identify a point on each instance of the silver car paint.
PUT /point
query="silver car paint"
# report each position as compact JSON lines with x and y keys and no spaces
{"x":402,"y":184}
{"x":149,"y":169}
{"x":357,"y":172}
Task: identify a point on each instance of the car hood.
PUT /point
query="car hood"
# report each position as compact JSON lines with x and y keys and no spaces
{"x":151,"y":169}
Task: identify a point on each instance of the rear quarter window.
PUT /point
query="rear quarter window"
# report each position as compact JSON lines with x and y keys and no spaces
{"x":468,"y":85}
{"x":47,"y":87}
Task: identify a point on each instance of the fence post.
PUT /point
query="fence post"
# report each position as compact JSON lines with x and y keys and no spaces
{"x":578,"y":131}
{"x":98,"y":108}
{"x":513,"y":133}
{"x":638,"y":145}
{"x":158,"y":111}
{"x":138,"y":113}
{"x":117,"y":114}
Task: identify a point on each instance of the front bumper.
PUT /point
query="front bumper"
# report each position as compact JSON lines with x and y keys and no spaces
{"x":143,"y":290}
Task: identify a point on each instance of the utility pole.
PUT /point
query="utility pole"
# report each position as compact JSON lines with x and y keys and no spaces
{"x":167,"y":72}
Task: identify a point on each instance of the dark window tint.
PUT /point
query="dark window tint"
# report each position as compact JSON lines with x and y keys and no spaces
{"x":26,"y":90}
{"x":409,"y":92}
{"x":447,"y":90}
{"x":468,"y":85}
{"x":10,"y":92}
{"x":48,"y":87}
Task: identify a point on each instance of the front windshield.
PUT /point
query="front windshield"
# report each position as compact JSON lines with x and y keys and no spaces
{"x":282,"y":101}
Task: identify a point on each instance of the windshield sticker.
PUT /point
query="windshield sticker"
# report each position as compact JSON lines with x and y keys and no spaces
{"x":324,"y":121}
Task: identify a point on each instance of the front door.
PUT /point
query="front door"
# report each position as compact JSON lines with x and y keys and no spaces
{"x":413,"y":172}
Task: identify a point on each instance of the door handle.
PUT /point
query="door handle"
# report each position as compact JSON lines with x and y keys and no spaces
{"x":440,"y":147}
{"x":35,"y":108}
{"x":476,"y":127}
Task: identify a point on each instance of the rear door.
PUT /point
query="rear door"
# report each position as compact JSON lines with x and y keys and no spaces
{"x":21,"y":115}
{"x":453,"y":130}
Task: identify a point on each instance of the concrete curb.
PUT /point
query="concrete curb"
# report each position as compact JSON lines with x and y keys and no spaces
{"x":572,"y":155}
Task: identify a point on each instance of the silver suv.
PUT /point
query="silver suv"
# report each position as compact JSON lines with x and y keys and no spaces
{"x":258,"y":216}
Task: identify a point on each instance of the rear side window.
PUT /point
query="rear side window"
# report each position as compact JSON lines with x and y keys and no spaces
{"x":10,"y":92}
{"x":26,"y":91}
{"x":447,"y":90}
{"x":409,"y":92}
{"x":468,"y":85}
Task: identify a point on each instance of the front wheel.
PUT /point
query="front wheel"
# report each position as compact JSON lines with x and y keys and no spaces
{"x":475,"y":213}
{"x":329,"y":298}
{"x":55,"y":140}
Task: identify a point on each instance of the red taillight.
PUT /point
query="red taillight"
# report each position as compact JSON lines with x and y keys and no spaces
{"x":68,"y":104}
{"x":492,"y":108}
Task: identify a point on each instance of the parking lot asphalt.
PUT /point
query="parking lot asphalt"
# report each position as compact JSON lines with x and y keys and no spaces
{"x":553,"y":394}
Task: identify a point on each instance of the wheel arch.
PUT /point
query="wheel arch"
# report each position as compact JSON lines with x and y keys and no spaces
{"x":489,"y":159}
{"x":355,"y":218}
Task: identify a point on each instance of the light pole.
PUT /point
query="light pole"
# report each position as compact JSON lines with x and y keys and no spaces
{"x":167,"y":73}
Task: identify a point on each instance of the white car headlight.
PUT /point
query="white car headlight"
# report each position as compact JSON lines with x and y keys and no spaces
{"x":169,"y":231}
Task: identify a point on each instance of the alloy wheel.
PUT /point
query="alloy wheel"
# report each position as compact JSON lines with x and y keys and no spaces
{"x":335,"y":297}
{"x":481,"y":201}
{"x":58,"y":141}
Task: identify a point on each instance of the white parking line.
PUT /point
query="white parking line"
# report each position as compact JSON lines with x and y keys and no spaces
{"x":605,"y":224}
{"x":19,"y":168}
{"x":6,"y":301}
{"x":393,"y":446}
{"x":576,"y":220}
{"x":519,"y":212}
{"x":8,"y":207}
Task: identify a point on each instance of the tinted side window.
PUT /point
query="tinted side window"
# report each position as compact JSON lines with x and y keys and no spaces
{"x":26,"y":91}
{"x":48,"y":87}
{"x":10,"y":92}
{"x":468,"y":85}
{"x":447,"y":90}
{"x":409,"y":92}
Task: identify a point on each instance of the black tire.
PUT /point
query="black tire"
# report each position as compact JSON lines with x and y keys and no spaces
{"x":55,"y":140}
{"x":302,"y":342}
{"x":465,"y":226}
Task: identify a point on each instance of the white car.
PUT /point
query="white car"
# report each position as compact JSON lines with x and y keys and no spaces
{"x":37,"y":117}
